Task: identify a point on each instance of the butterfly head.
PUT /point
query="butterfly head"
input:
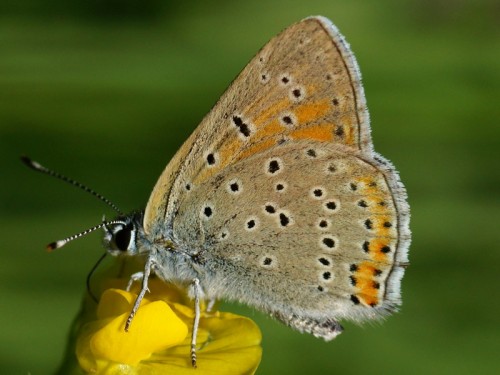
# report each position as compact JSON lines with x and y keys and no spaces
{"x":122,"y":236}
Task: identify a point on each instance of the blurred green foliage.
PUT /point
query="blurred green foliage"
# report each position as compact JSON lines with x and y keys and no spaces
{"x":106,"y":91}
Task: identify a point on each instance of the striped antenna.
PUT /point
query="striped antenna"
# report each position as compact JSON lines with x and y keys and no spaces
{"x":58,"y":244}
{"x":40,"y":168}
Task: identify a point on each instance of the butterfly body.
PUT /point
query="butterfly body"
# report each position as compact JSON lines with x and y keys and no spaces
{"x":278,"y":200}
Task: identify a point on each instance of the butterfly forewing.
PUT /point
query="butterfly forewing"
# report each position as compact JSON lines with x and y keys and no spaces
{"x":304,"y":84}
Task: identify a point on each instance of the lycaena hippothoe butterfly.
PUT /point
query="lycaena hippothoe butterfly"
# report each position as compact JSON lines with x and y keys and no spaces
{"x":277,"y":199}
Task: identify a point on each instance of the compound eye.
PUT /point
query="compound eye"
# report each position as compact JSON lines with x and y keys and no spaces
{"x":122,"y":239}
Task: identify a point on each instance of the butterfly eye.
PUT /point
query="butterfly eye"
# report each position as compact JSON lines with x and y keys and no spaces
{"x":120,"y":236}
{"x":122,"y":239}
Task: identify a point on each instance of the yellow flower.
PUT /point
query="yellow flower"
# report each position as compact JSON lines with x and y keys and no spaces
{"x":159,"y":338}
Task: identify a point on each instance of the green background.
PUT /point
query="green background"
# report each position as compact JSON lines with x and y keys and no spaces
{"x":106,"y":91}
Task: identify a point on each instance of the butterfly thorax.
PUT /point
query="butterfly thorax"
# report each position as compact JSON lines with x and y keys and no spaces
{"x":126,"y":237}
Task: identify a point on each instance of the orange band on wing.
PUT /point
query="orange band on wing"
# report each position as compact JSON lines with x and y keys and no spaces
{"x":271,"y":112}
{"x":377,"y":249}
{"x":259,"y":147}
{"x":368,"y":287}
{"x":322,"y":132}
{"x":271,"y":129}
{"x":308,"y":113}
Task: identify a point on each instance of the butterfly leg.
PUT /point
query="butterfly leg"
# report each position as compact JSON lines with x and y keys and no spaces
{"x":142,"y":293}
{"x":210,"y":305}
{"x":133,"y":278}
{"x":196,"y":323}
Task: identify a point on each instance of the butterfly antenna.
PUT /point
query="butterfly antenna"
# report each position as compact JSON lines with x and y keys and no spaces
{"x":40,"y":168}
{"x":58,"y":244}
{"x":89,"y":276}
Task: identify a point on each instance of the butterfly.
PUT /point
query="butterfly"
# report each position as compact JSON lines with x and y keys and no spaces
{"x":277,"y":199}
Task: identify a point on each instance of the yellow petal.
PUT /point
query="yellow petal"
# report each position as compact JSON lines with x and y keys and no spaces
{"x":227,"y":344}
{"x":154,"y":328}
{"x":116,"y":302}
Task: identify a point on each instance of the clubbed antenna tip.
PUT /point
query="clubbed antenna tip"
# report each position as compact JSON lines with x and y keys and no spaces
{"x":31,"y":163}
{"x":55,"y":245}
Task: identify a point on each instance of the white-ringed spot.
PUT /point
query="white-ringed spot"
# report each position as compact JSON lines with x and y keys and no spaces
{"x":323,"y":224}
{"x":317,"y":192}
{"x":234,"y":186}
{"x":325,"y":261}
{"x":325,"y":277}
{"x":280,"y":187}
{"x":297,"y":94}
{"x":207,"y":211}
{"x":251,"y":223}
{"x":328,"y":242}
{"x":331,"y":205}
{"x":268,"y":261}
{"x":273,"y":166}
{"x":211,"y":159}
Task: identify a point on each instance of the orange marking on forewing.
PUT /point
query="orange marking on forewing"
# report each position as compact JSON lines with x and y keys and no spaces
{"x":259,"y":147}
{"x":310,"y":90}
{"x":323,"y":132}
{"x":229,"y":150}
{"x":205,"y":174}
{"x":271,"y":129}
{"x":348,"y":131}
{"x":271,"y":111}
{"x":308,"y":113}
